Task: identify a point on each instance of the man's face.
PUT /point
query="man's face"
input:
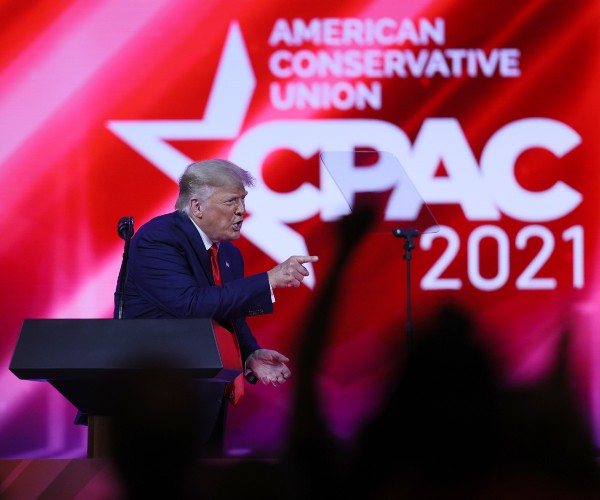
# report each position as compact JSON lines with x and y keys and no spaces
{"x":221,"y":216}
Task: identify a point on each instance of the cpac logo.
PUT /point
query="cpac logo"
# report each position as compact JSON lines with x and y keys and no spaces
{"x":484,"y":191}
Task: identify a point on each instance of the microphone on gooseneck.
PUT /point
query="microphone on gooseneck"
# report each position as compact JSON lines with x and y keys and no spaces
{"x":125,"y":230}
{"x":125,"y":227}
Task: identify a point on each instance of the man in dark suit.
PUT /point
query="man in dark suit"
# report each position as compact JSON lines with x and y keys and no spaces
{"x":170,"y":276}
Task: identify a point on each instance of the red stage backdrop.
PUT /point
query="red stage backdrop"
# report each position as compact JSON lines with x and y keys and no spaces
{"x":492,"y":111}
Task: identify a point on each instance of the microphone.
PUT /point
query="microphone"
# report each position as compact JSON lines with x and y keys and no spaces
{"x":405,"y":233}
{"x":125,"y":227}
{"x":125,"y":230}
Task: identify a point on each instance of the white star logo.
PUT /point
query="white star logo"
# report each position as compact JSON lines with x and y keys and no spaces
{"x":226,"y":109}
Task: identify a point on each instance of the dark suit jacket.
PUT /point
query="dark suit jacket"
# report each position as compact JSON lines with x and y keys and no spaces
{"x":169,"y":276}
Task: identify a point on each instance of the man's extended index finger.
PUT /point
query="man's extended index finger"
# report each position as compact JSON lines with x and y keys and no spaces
{"x":303,"y":259}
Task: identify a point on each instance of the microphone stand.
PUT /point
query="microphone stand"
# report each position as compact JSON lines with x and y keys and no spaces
{"x":409,"y":246}
{"x":125,"y":230}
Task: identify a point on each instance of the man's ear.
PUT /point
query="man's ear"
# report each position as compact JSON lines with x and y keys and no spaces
{"x":196,"y":207}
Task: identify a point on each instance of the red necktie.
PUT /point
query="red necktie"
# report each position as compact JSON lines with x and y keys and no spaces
{"x":234,"y":390}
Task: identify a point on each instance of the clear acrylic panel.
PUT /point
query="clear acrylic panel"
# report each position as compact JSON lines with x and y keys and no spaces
{"x":376,"y":180}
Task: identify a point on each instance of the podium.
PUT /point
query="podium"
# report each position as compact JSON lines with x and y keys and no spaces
{"x":83,"y":358}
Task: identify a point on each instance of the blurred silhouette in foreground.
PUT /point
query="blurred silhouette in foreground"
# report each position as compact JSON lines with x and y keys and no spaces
{"x":156,"y":432}
{"x":448,"y":428}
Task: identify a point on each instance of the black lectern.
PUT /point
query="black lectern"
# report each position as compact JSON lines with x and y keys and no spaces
{"x":82,"y":358}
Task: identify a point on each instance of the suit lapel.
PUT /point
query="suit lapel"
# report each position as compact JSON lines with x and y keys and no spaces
{"x":195,"y":240}
{"x":226,"y":261}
